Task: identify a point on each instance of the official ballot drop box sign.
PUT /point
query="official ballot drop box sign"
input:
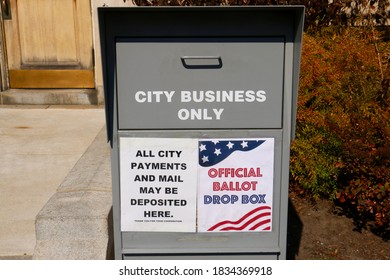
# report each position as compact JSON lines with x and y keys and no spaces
{"x":200,"y":109}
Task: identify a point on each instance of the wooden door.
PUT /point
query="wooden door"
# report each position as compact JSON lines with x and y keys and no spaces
{"x":49,"y":44}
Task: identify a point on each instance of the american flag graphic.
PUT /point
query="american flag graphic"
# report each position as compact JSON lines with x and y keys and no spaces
{"x":215,"y":151}
{"x":223,"y":203}
{"x":257,"y":219}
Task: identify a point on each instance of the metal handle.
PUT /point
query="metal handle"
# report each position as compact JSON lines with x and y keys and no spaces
{"x":202,"y":62}
{"x":6,"y":9}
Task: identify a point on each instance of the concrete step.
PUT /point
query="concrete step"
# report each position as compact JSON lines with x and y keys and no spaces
{"x":39,"y":147}
{"x":51,"y":97}
{"x":87,"y":249}
{"x":76,"y":222}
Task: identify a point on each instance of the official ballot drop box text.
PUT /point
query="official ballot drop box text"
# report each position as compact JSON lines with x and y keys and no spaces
{"x":200,"y":108}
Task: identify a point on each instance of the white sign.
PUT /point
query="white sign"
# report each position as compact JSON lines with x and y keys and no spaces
{"x":192,"y":185}
{"x":235,"y":185}
{"x":158,"y":179}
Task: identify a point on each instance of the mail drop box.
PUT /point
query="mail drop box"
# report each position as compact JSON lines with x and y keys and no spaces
{"x":200,"y":112}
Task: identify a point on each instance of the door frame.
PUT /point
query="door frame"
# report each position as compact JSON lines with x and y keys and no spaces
{"x":4,"y":77}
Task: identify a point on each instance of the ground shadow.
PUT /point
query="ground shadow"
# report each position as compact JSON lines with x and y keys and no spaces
{"x":294,"y":232}
{"x":110,"y":255}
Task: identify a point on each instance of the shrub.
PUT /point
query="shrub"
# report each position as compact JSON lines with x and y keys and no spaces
{"x":343,"y":124}
{"x":316,"y":150}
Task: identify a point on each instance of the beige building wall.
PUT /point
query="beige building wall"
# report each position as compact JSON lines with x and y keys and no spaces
{"x":96,"y":39}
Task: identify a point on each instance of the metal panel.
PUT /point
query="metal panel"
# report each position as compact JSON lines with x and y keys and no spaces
{"x":259,"y":256}
{"x":200,"y":83}
{"x":163,"y":243}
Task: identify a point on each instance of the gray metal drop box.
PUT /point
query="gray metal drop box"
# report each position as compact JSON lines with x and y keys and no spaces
{"x":200,"y":112}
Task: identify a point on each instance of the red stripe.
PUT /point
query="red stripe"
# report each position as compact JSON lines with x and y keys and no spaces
{"x":240,"y":220}
{"x":247,"y":223}
{"x":260,"y":224}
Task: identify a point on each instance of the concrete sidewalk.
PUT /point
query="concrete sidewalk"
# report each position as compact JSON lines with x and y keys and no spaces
{"x":39,"y":146}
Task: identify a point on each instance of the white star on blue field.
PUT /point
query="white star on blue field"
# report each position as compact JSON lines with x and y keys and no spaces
{"x":212,"y":152}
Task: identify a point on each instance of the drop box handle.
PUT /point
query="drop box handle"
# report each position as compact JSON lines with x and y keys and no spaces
{"x":201,"y":62}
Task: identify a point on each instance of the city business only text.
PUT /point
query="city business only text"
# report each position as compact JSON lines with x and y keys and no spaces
{"x":189,"y":98}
